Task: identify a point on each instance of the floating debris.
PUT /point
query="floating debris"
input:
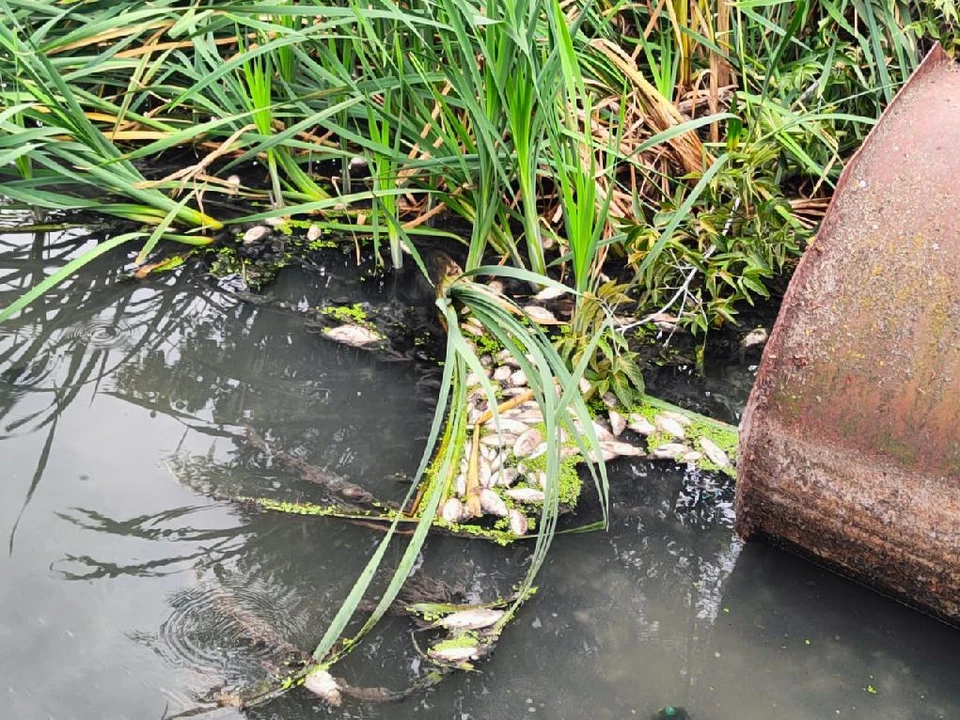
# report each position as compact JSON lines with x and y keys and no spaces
{"x":519,"y":525}
{"x":491,"y":503}
{"x":356,"y":336}
{"x":453,"y":510}
{"x":670,"y":451}
{"x":527,"y":443}
{"x":541,"y":315}
{"x":472,"y":619}
{"x":618,"y":423}
{"x":640,"y":425}
{"x":525,"y":495}
{"x":322,"y":684}
{"x":621,"y":449}
{"x":670,"y":426}
{"x":714,"y":453}
{"x":452,"y":652}
{"x":550,"y":293}
{"x":255,"y":234}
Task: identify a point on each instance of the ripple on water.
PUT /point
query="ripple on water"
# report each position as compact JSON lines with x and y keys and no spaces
{"x":105,"y":333}
{"x":229,"y":629}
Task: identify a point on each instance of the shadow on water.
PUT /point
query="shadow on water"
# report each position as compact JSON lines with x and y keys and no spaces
{"x":133,"y":588}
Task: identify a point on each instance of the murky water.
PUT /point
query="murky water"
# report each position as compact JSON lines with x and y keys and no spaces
{"x":131,"y":587}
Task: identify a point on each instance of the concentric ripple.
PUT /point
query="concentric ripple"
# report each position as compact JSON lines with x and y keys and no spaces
{"x":106,"y":333}
{"x":230,"y":630}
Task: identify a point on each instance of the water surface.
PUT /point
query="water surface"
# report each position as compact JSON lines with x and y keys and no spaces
{"x":132,"y":585}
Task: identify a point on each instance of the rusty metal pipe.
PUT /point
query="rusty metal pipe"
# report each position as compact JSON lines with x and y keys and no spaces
{"x":850,"y":442}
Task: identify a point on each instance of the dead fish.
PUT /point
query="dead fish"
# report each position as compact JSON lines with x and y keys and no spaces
{"x":506,"y":477}
{"x":504,"y":357}
{"x":640,"y":425}
{"x":518,"y":522}
{"x":609,"y":399}
{"x":525,"y":495}
{"x":692,"y":457}
{"x":472,"y":329}
{"x":461,"y":484}
{"x":670,"y":451}
{"x":492,"y":503}
{"x":601,"y":432}
{"x":486,"y":361}
{"x":276,"y":222}
{"x":502,"y":373}
{"x":454,"y":653}
{"x":498,"y":440}
{"x":537,"y":451}
{"x":322,"y":684}
{"x":541,"y":315}
{"x":669,"y":426}
{"x":314,"y":232}
{"x":518,"y":379}
{"x":514,"y":391}
{"x":621,"y":449}
{"x":679,"y":417}
{"x":618,"y":423}
{"x":714,"y":453}
{"x":755,"y":338}
{"x":542,"y":479}
{"x":353,"y":335}
{"x":472,"y":619}
{"x":473,"y":380}
{"x":255,"y":234}
{"x":452,"y":510}
{"x":496,"y":287}
{"x":550,"y":292}
{"x":568,"y":451}
{"x":508,"y":426}
{"x":485,"y":473}
{"x":531,"y":417}
{"x":233,"y":183}
{"x":527,"y":443}
{"x":584,"y":386}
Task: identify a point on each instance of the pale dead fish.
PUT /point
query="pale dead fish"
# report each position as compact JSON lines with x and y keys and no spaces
{"x":322,"y":684}
{"x":495,"y":462}
{"x":486,"y":361}
{"x":314,"y":232}
{"x":525,"y":495}
{"x":692,"y":457}
{"x":669,"y":426}
{"x":550,"y":292}
{"x":472,"y":328}
{"x":485,"y":473}
{"x":537,"y":451}
{"x":714,"y":453}
{"x":527,"y":443}
{"x":276,"y":222}
{"x":518,"y":522}
{"x":542,"y":479}
{"x":452,"y":510}
{"x":502,"y":373}
{"x":610,"y":400}
{"x":755,"y":338}
{"x":518,"y":379}
{"x":256,"y":233}
{"x":473,"y":619}
{"x":679,"y":417}
{"x":640,"y":425}
{"x":233,"y":182}
{"x":473,"y":380}
{"x":487,"y":452}
{"x":492,"y":504}
{"x":504,"y":357}
{"x":621,"y":449}
{"x":353,"y":335}
{"x":670,"y":451}
{"x":507,"y":425}
{"x":454,"y":654}
{"x":540,"y":315}
{"x":618,"y":423}
{"x":496,"y":441}
{"x":514,"y":391}
{"x":507,"y":477}
{"x":584,"y":386}
{"x":531,"y":417}
{"x":461,"y":484}
{"x":602,"y":432}
{"x":568,"y":451}
{"x":496,"y":287}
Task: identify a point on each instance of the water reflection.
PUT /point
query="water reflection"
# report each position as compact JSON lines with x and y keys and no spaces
{"x":123,"y":412}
